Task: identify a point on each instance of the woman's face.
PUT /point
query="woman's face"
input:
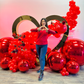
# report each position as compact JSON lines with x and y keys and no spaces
{"x":43,"y":22}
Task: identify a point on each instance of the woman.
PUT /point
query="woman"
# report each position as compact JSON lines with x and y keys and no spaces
{"x":42,"y":44}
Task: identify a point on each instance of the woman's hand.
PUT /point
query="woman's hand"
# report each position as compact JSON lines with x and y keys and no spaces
{"x":46,"y":28}
{"x":39,"y":28}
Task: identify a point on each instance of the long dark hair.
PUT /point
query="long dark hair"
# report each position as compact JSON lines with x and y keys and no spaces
{"x":45,"y":21}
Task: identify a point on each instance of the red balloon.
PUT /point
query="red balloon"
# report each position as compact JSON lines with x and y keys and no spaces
{"x":77,"y":8}
{"x":70,"y":28}
{"x":72,"y":67}
{"x":15,"y":67}
{"x":11,"y":68}
{"x":73,"y":49}
{"x":56,"y":61}
{"x":14,"y":70}
{"x":68,"y":14}
{"x":66,"y":73}
{"x":51,"y":53}
{"x":4,"y":62}
{"x":63,"y":73}
{"x":64,"y":69}
{"x":72,"y":3}
{"x":14,"y":61}
{"x":4,"y":44}
{"x":27,"y":56}
{"x":53,"y":26}
{"x":61,"y":28}
{"x":23,"y":65}
{"x":78,"y":12}
{"x":11,"y":64}
{"x":18,"y":59}
{"x":49,"y":26}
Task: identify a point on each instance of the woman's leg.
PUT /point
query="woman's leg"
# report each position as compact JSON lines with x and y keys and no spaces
{"x":42,"y":55}
{"x":38,"y":49}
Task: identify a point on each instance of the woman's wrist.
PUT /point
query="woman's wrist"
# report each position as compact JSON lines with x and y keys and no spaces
{"x":47,"y":29}
{"x":39,"y":28}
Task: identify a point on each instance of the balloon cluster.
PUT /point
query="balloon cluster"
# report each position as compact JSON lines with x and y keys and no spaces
{"x":17,"y":50}
{"x":23,"y":48}
{"x":73,"y":49}
{"x":72,"y":67}
{"x":60,"y":28}
{"x":12,"y":64}
{"x":64,"y":72}
{"x":70,"y":17}
{"x":21,"y":55}
{"x":20,"y":50}
{"x":69,"y":59}
{"x":72,"y":14}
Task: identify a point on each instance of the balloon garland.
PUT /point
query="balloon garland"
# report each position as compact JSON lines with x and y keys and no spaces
{"x":72,"y":14}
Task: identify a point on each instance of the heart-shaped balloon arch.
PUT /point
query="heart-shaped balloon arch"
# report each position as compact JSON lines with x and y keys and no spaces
{"x":19,"y":54}
{"x":52,"y":17}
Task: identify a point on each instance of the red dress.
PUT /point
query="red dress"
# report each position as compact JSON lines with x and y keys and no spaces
{"x":42,"y":36}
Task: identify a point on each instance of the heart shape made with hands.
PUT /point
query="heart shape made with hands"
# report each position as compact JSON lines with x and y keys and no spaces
{"x":18,"y":21}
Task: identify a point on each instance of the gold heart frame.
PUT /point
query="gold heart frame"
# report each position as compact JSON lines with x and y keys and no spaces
{"x":20,"y":19}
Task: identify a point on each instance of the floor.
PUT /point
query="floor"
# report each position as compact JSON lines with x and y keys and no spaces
{"x":31,"y":76}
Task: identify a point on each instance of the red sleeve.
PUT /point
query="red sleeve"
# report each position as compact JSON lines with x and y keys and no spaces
{"x":34,"y":30}
{"x":51,"y":31}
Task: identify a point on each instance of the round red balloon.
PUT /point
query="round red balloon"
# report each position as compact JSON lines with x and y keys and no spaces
{"x":72,"y":67}
{"x":4,"y":62}
{"x":4,"y":44}
{"x":61,"y":28}
{"x":23,"y":65}
{"x":74,"y":50}
{"x":56,"y":61}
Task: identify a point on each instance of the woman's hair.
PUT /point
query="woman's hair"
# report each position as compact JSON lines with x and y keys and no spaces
{"x":45,"y":21}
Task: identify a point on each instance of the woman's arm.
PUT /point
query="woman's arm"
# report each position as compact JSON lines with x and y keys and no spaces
{"x":34,"y":30}
{"x":51,"y":31}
